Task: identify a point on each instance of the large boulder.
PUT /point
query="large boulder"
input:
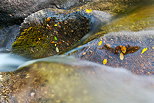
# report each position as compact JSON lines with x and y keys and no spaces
{"x":14,"y":11}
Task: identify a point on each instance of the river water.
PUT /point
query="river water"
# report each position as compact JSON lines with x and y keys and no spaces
{"x":82,"y":77}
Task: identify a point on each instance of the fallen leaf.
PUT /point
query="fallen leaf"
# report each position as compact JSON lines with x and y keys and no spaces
{"x":88,"y":10}
{"x":121,"y":56}
{"x":100,"y":43}
{"x":55,"y":38}
{"x":57,"y":49}
{"x":144,"y":50}
{"x":105,"y":61}
{"x":48,"y":19}
{"x":52,"y":42}
{"x":123,"y":49}
{"x":132,"y":49}
{"x":56,"y":25}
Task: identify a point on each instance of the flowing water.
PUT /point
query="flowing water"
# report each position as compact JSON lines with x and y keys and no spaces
{"x":81,"y":75}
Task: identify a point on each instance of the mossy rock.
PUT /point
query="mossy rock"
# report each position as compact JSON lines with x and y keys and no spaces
{"x":50,"y":32}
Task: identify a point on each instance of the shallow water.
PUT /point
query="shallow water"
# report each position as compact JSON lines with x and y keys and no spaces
{"x":73,"y":80}
{"x":70,"y":79}
{"x":10,"y":62}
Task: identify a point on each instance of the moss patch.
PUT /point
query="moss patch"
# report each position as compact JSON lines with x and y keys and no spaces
{"x":53,"y":36}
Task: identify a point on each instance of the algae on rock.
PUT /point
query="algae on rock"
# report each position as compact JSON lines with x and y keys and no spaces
{"x":48,"y":32}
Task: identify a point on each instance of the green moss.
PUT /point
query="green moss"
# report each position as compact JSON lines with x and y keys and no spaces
{"x":32,"y":42}
{"x":46,"y":39}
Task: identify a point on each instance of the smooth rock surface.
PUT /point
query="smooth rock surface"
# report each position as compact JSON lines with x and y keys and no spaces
{"x":70,"y":80}
{"x":137,"y":62}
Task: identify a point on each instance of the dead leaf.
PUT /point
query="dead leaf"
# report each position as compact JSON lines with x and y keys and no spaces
{"x":48,"y":19}
{"x":121,"y":56}
{"x":132,"y":49}
{"x":123,"y":49}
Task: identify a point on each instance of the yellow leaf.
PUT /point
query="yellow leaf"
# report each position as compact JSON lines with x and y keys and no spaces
{"x":123,"y":49}
{"x":100,"y":43}
{"x":144,"y":50}
{"x":152,"y":47}
{"x":56,"y":25}
{"x":121,"y":56}
{"x":105,"y":61}
{"x":48,"y":19}
{"x":88,"y":10}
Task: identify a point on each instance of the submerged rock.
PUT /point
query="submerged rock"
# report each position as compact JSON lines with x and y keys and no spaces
{"x":70,"y":80}
{"x":115,"y":7}
{"x":137,"y":19}
{"x":131,"y":50}
{"x":54,"y":31}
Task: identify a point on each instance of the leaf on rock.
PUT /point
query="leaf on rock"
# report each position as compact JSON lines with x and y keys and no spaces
{"x":105,"y":61}
{"x":123,"y":49}
{"x":55,"y":38}
{"x":88,"y":10}
{"x":55,"y":24}
{"x":131,"y":49}
{"x":121,"y":56}
{"x":57,"y":49}
{"x":48,"y":19}
{"x":100,"y":43}
{"x":144,"y":50}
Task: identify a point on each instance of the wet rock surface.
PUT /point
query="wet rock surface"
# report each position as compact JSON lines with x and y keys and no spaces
{"x":13,"y":11}
{"x":8,"y":36}
{"x":118,"y":37}
{"x":69,"y":80}
{"x":136,"y":20}
{"x":115,"y":7}
{"x":135,"y":53}
{"x":49,"y":32}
